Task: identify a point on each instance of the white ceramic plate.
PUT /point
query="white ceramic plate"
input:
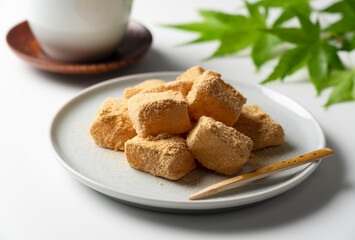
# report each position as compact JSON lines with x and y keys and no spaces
{"x":108,"y":172}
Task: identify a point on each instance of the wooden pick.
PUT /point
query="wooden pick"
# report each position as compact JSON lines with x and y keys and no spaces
{"x":261,"y":173}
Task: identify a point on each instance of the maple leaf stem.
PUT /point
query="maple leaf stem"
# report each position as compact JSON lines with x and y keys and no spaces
{"x":337,"y":36}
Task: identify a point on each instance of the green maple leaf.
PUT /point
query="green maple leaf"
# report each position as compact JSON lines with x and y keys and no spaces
{"x":349,"y":44}
{"x":311,"y":51}
{"x":290,"y":61}
{"x":335,"y":78}
{"x":288,"y":7}
{"x":314,"y":47}
{"x":344,"y":89}
{"x":307,"y":50}
{"x":347,"y":22}
{"x":262,"y":49}
{"x":323,"y":60}
{"x":334,"y":61}
{"x":234,"y":32}
{"x":318,"y":67}
{"x":215,"y":25}
{"x":342,"y":29}
{"x":264,"y":42}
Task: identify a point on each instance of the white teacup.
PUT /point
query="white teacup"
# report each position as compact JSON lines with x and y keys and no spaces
{"x":79,"y":30}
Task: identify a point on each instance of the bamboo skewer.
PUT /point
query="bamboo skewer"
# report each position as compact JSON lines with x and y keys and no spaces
{"x":261,"y":173}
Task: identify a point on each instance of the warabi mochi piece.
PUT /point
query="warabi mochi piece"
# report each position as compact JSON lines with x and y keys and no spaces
{"x":129,"y":92}
{"x":219,"y":147}
{"x":191,"y":74}
{"x":112,"y":126}
{"x":162,"y":112}
{"x":211,"y":96}
{"x":259,"y":126}
{"x":163,"y":155}
{"x":183,"y":84}
{"x":180,"y":86}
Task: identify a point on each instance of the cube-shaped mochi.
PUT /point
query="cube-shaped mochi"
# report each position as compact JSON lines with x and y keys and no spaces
{"x":112,"y":126}
{"x":219,"y":147}
{"x":211,"y":96}
{"x":191,"y":74}
{"x":179,"y":86}
{"x":129,"y":92}
{"x":162,"y":112}
{"x":256,"y":124}
{"x":163,"y":155}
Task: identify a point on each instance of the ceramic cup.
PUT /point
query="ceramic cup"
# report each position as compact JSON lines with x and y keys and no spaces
{"x":78,"y":30}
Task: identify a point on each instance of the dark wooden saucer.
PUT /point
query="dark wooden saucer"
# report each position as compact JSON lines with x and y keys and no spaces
{"x":134,"y":46}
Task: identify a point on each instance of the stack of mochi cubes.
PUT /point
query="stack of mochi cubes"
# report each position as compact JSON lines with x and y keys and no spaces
{"x":164,"y":126}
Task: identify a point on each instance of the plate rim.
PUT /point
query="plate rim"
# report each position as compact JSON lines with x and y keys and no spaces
{"x":205,"y":204}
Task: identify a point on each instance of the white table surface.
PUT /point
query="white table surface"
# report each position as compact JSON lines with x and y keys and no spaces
{"x":40,"y":200}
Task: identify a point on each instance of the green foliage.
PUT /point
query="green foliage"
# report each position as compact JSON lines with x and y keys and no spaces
{"x":235,"y":32}
{"x":313,"y":47}
{"x":288,"y":7}
{"x":347,"y":22}
{"x":344,"y":89}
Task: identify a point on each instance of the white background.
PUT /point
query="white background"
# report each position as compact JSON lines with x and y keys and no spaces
{"x":39,"y":199}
